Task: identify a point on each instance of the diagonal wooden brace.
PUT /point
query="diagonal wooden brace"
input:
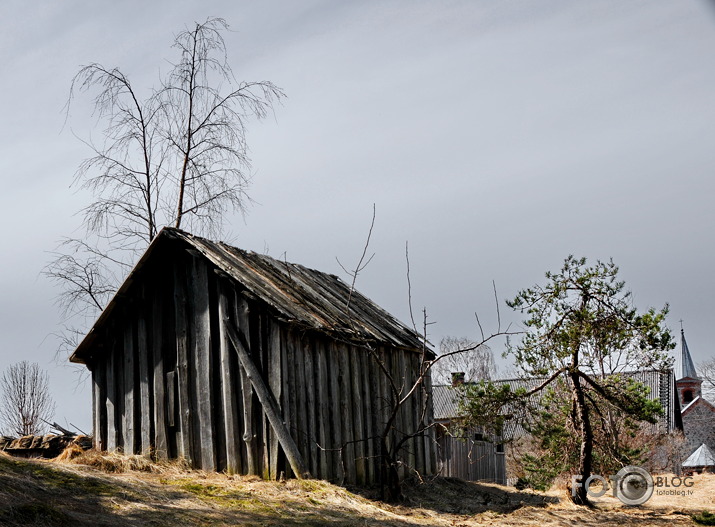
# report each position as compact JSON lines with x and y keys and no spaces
{"x":268,"y":401}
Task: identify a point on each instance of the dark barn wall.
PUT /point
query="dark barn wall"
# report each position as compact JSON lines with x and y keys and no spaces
{"x":168,"y":383}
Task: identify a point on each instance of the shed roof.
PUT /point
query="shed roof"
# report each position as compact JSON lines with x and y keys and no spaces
{"x":702,"y":457}
{"x":296,"y":294}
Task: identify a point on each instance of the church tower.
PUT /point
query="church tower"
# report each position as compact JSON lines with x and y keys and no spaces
{"x":689,"y":384}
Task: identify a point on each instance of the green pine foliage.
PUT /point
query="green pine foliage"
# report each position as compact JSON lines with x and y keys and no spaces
{"x":584,"y":409}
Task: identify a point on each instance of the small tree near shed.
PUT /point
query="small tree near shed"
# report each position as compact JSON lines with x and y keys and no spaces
{"x":583,"y":336}
{"x":26,"y":400}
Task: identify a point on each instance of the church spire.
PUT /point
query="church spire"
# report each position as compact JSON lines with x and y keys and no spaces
{"x":686,"y":362}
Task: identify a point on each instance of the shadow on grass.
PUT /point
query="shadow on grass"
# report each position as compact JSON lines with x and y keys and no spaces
{"x":39,"y":493}
{"x":456,"y":496}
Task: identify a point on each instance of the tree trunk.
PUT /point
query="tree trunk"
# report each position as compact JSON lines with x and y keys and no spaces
{"x":390,"y":485}
{"x":586,"y":456}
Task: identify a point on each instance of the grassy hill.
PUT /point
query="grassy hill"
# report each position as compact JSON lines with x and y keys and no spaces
{"x":111,"y":490}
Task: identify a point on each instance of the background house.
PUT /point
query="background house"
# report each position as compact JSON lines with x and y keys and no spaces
{"x":466,"y":453}
{"x":167,"y":380}
{"x":472,"y":454}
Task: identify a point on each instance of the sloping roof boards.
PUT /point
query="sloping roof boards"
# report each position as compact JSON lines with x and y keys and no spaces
{"x":296,"y":294}
{"x":702,"y":457}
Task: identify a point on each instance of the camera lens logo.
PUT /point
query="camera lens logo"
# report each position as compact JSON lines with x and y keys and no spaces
{"x":633,"y":485}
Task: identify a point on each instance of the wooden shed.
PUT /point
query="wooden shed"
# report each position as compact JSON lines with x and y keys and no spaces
{"x":169,"y":379}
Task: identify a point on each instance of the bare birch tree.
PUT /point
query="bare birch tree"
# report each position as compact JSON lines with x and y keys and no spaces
{"x":175,"y":156}
{"x":26,"y":400}
{"x":476,"y":363}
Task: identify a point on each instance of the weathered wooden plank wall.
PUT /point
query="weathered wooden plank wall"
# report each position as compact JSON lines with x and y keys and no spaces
{"x":470,"y":459}
{"x":168,"y":383}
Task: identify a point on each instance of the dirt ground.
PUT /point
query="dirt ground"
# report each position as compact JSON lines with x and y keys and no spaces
{"x":67,"y":494}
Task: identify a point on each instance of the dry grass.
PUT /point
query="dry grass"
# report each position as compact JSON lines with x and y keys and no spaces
{"x":102,"y":489}
{"x":118,"y":463}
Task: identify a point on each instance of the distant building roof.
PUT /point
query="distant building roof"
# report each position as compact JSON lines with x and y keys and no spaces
{"x":296,"y":294}
{"x":444,"y":401}
{"x":702,"y":457}
{"x":661,"y":385}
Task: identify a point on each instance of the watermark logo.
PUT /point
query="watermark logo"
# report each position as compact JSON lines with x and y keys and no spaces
{"x":633,"y":485}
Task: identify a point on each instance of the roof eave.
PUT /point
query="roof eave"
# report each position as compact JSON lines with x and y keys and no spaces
{"x":81,"y":353}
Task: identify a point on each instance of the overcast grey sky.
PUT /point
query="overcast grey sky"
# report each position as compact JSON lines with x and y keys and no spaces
{"x":495,"y":137}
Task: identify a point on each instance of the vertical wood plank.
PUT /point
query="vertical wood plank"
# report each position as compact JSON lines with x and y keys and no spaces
{"x":161,"y":448}
{"x":99,"y":404}
{"x":346,"y":411}
{"x":228,"y":389}
{"x":378,"y":409}
{"x":201,"y":340}
{"x":358,"y":409}
{"x":249,"y":439}
{"x":293,"y":395}
{"x":323,"y":418}
{"x":401,"y":377}
{"x":309,"y":361}
{"x":430,"y":448}
{"x":183,"y":380}
{"x":408,"y":426}
{"x":171,"y":398}
{"x":276,"y":386}
{"x":301,"y":400}
{"x":336,"y":439}
{"x":378,"y":403}
{"x":286,"y":395}
{"x":259,"y":353}
{"x":145,"y":404}
{"x":130,"y":395}
{"x":417,"y":406}
{"x":111,"y":398}
{"x":364,"y":364}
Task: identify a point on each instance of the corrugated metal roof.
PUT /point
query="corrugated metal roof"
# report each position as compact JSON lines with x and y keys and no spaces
{"x":298,"y":295}
{"x":661,"y":386}
{"x":702,"y":457}
{"x":444,"y":401}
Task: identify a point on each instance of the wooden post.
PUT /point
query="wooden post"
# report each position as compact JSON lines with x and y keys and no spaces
{"x":322,"y":395}
{"x":249,"y":439}
{"x":111,"y":445}
{"x":128,"y":423}
{"x":300,"y":397}
{"x":270,"y":406}
{"x":157,"y":351}
{"x":346,"y":414}
{"x":201,"y":352}
{"x":357,"y":424}
{"x":312,"y":422}
{"x":336,"y":438}
{"x":145,"y":403}
{"x":228,"y":391}
{"x":182,"y":366}
{"x":99,"y":402}
{"x":275,"y":384}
